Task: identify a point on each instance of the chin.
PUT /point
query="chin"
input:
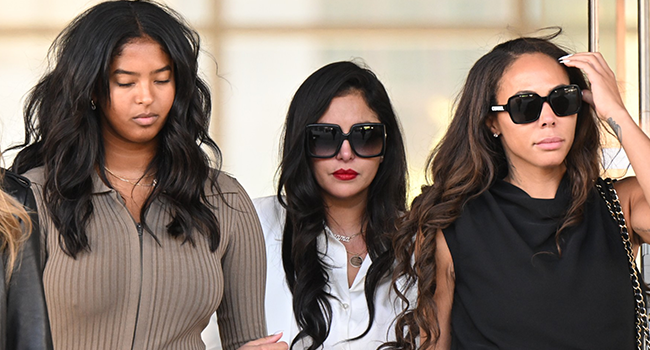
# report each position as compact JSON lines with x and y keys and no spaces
{"x":345,"y":195}
{"x":552,"y":164}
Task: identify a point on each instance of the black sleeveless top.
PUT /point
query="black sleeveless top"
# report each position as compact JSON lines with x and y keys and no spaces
{"x":513,"y":290}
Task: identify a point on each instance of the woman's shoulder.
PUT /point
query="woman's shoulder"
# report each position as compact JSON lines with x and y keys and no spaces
{"x":13,"y":181}
{"x":268,"y":205}
{"x":271,"y":214}
{"x":15,"y":185}
{"x":36,"y":175}
{"x":226,"y":184}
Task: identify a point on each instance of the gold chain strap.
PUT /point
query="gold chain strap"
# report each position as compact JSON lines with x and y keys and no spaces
{"x":642,"y":331}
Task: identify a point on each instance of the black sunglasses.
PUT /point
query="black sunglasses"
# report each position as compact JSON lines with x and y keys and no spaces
{"x":367,"y":140}
{"x":527,"y":107}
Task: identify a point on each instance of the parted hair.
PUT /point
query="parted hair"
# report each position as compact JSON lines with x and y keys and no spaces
{"x":300,"y":194}
{"x":465,"y":163}
{"x":63,"y":133}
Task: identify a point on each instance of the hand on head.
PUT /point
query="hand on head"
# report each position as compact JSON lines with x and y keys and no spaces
{"x":604,"y":95}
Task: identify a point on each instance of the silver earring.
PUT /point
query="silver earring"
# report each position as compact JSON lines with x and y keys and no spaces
{"x":92,"y":105}
{"x":495,"y":135}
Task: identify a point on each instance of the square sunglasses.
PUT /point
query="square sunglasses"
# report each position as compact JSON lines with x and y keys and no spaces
{"x":527,"y":107}
{"x":367,"y":140}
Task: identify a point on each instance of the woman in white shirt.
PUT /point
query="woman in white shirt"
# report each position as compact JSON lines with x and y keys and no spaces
{"x":341,"y":188}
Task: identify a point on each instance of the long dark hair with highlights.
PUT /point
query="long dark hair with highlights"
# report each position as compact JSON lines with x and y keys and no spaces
{"x":63,"y":133}
{"x":465,"y":164}
{"x":300,"y":194}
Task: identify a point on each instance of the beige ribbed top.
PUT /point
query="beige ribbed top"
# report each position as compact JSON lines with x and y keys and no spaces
{"x":129,"y":292}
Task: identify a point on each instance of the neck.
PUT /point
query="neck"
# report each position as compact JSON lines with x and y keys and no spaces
{"x":542,"y":183}
{"x":345,"y":216}
{"x":128,"y":160}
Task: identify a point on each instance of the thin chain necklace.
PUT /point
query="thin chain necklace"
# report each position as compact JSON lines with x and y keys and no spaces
{"x":135,"y":182}
{"x":341,"y":238}
{"x":356,"y":259}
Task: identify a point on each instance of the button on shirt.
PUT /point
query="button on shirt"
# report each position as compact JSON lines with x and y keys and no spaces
{"x":349,"y":308}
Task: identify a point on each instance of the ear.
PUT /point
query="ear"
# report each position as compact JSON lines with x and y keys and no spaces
{"x":493,"y":125}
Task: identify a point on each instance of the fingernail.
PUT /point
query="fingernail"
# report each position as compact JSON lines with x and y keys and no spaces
{"x":563,"y":58}
{"x":276,"y":333}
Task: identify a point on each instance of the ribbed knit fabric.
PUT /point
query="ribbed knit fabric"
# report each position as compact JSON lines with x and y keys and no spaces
{"x":131,"y":292}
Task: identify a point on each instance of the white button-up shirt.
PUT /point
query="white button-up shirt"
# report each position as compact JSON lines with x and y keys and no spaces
{"x":349,"y":308}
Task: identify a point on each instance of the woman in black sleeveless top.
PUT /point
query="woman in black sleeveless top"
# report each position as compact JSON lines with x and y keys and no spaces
{"x":512,"y":245}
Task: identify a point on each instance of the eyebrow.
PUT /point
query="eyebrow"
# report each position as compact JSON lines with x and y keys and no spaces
{"x":533,"y":92}
{"x":126,"y":72}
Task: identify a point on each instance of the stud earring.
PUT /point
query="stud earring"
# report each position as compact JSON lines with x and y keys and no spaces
{"x":495,"y":135}
{"x":92,"y":105}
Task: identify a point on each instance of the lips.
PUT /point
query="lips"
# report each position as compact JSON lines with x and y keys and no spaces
{"x":345,"y":174}
{"x":145,"y":119}
{"x":550,"y":143}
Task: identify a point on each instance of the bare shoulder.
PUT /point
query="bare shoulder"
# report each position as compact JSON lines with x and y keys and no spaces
{"x":627,"y":186}
{"x":444,"y":260}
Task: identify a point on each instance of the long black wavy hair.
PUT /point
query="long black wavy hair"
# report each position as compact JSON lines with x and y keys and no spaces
{"x":302,"y":197}
{"x":63,"y":133}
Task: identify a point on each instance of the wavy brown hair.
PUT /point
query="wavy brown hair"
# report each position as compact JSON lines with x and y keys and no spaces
{"x":465,"y":164}
{"x":15,"y":227}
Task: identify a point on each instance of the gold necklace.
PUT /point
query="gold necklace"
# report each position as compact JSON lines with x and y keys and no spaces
{"x":135,"y":182}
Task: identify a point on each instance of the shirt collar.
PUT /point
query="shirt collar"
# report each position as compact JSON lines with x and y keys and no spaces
{"x":98,"y":185}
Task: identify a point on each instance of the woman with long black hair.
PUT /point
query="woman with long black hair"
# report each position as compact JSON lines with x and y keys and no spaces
{"x":144,"y":237}
{"x":342,"y":186}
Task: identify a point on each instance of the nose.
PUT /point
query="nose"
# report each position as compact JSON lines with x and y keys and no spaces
{"x":547,"y":116}
{"x":144,"y":95}
{"x":345,"y":153}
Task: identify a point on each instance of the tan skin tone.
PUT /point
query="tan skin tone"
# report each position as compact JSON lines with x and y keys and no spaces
{"x":346,"y":199}
{"x":539,"y":175}
{"x":346,"y":217}
{"x":142,"y":90}
{"x":633,"y":192}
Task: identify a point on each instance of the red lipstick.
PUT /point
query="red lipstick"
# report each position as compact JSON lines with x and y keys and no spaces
{"x":345,"y":174}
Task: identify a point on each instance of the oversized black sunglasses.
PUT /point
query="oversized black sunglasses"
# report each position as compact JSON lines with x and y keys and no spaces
{"x":527,"y":107}
{"x":367,"y":140}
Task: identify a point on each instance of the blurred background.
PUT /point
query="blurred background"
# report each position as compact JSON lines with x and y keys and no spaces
{"x":257,"y":52}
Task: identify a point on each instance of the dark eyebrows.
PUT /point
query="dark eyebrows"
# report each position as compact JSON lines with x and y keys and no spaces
{"x":524,"y":92}
{"x":126,"y":72}
{"x":166,"y":68}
